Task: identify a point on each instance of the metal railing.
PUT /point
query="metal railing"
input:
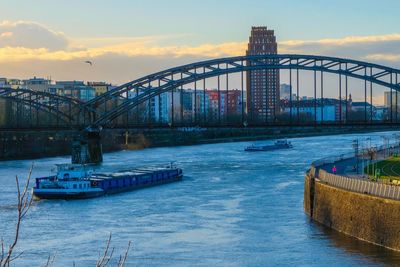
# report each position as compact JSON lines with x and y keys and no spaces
{"x":335,"y":159}
{"x":359,"y":185}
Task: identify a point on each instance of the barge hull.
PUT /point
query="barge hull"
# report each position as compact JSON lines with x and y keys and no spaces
{"x":136,"y":187}
{"x":108,"y":186}
{"x":63,"y":196}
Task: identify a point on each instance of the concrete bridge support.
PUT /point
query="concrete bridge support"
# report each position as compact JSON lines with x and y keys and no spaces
{"x":87,"y":148}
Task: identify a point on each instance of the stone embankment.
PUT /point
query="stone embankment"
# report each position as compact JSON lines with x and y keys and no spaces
{"x":361,"y":208}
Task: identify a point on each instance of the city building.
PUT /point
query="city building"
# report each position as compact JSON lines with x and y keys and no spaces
{"x":262,"y":85}
{"x":3,"y":82}
{"x":187,"y":99}
{"x":234,"y":102}
{"x":387,"y":99}
{"x":328,"y":110}
{"x":187,"y":104}
{"x":362,"y":106}
{"x":76,"y":89}
{"x":100,"y":87}
{"x":155,"y":109}
{"x":5,"y":111}
{"x":202,"y":104}
{"x":15,"y":83}
{"x":162,"y":108}
{"x":217,"y":104}
{"x":381,"y":113}
{"x":56,"y":89}
{"x":285,"y":91}
{"x":37,"y":84}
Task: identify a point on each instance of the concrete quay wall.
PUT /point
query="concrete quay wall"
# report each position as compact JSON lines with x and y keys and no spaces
{"x":363,"y":216}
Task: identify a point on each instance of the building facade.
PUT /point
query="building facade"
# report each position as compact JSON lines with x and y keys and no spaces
{"x":3,"y":82}
{"x":285,"y":91}
{"x":262,"y":85}
{"x":37,"y":84}
{"x":100,"y":87}
{"x":327,"y":110}
{"x":392,"y":97}
{"x":76,"y":89}
{"x":15,"y":83}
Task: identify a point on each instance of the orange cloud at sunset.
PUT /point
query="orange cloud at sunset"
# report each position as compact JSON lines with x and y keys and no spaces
{"x":30,"y":48}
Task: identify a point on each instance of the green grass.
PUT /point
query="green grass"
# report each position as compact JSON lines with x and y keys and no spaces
{"x":389,"y":168}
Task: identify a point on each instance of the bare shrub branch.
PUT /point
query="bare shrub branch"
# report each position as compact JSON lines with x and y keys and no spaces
{"x":24,"y":203}
{"x":122,"y":263}
{"x":107,"y":255}
{"x":50,"y":261}
{"x":2,"y":251}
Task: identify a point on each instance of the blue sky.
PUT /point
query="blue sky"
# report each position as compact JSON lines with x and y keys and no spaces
{"x":208,"y":20}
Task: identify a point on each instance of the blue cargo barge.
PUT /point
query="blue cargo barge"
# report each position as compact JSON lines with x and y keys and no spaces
{"x":74,"y":181}
{"x":280,"y":144}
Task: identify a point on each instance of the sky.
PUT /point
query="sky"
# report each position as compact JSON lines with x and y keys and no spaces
{"x":126,"y":39}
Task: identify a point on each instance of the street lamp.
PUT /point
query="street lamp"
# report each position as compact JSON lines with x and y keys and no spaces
{"x":397,"y":144}
{"x":385,"y":145}
{"x":368,"y":152}
{"x":356,"y":148}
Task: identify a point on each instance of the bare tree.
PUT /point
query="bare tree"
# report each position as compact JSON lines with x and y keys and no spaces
{"x":105,"y":258}
{"x":23,"y":205}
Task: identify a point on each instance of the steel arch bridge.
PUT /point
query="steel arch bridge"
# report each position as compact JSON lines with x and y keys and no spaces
{"x":65,"y":110}
{"x":154,"y":85}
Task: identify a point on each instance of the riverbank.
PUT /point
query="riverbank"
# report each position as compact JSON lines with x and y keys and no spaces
{"x":355,"y":206}
{"x":27,"y":144}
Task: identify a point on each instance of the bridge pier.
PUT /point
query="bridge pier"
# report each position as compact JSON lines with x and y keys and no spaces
{"x":87,"y":148}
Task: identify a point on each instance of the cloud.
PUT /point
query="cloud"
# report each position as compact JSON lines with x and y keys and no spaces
{"x":29,"y":48}
{"x":6,"y":35}
{"x":379,"y":48}
{"x":384,"y":57}
{"x":131,"y":49}
{"x":31,"y":35}
{"x":21,"y":41}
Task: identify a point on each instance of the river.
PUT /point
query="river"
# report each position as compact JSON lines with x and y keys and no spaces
{"x":232,"y":209}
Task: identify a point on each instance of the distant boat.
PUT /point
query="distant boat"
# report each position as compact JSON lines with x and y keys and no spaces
{"x":279,"y":144}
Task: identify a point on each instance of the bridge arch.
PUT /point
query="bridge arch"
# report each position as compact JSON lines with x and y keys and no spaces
{"x":170,"y":79}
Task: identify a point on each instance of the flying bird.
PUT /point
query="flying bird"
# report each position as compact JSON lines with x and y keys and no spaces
{"x":89,"y":62}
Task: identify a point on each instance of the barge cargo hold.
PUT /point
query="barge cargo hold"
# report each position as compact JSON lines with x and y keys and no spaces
{"x":280,"y":144}
{"x":74,"y":181}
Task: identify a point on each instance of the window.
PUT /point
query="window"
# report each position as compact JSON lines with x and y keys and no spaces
{"x":75,"y":186}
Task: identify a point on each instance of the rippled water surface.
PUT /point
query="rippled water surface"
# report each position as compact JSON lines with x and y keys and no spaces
{"x":232,"y":209}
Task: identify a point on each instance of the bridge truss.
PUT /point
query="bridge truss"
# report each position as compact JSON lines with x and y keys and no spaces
{"x":42,"y":109}
{"x":118,"y":103}
{"x":126,"y":105}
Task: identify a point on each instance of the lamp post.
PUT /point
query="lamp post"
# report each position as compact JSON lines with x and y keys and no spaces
{"x":368,"y":151}
{"x":356,"y":148}
{"x":385,"y":145}
{"x":397,"y":143}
